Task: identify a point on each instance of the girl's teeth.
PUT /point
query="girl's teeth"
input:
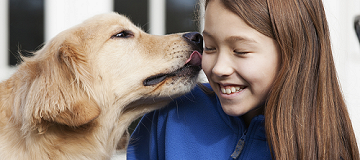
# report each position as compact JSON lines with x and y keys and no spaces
{"x":229,"y":90}
{"x":223,"y":90}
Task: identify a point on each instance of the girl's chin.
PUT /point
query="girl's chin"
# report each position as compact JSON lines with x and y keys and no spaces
{"x":234,"y":113}
{"x":232,"y":110}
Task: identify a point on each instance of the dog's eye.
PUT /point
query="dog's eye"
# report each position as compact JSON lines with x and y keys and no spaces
{"x":123,"y":34}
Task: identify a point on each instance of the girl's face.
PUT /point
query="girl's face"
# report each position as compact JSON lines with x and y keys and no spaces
{"x":239,"y":62}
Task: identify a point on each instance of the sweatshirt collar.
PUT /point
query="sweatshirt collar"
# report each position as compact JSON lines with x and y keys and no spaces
{"x":237,"y":124}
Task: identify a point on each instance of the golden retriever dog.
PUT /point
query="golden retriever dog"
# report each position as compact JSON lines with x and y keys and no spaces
{"x":75,"y":98}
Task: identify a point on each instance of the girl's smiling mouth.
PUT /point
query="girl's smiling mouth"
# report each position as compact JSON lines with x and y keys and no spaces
{"x":231,"y":89}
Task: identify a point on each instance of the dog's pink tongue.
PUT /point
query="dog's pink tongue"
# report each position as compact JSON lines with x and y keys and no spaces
{"x":195,"y":59}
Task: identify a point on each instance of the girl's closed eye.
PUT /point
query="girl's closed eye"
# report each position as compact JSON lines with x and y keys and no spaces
{"x":209,"y":49}
{"x":240,"y":52}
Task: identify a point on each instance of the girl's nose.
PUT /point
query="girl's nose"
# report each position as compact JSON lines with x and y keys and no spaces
{"x":223,"y":66}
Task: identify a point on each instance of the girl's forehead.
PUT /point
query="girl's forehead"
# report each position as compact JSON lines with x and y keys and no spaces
{"x":221,"y":22}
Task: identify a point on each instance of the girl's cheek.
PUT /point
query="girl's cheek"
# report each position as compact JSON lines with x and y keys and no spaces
{"x":206,"y":64}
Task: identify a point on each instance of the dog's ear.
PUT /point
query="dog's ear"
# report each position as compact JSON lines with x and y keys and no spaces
{"x":83,"y":107}
{"x":81,"y":111}
{"x":61,"y":93}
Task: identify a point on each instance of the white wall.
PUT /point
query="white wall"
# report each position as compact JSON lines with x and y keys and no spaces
{"x":4,"y":68}
{"x":346,"y":48}
{"x":157,"y":17}
{"x":63,"y":14}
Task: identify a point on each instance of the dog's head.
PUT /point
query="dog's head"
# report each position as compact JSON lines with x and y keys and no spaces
{"x":106,"y":60}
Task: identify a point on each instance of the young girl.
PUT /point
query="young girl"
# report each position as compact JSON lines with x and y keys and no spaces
{"x":270,"y":65}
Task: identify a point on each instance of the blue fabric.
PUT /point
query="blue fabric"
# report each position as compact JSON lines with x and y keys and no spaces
{"x":194,"y":126}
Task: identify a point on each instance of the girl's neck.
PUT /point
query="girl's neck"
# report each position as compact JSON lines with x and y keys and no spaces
{"x":247,"y":117}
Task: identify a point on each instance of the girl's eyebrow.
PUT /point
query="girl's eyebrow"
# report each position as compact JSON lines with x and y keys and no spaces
{"x":234,"y":38}
{"x":241,"y":39}
{"x":207,"y":34}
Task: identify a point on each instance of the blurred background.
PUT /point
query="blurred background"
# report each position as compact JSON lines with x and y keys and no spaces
{"x":25,"y":25}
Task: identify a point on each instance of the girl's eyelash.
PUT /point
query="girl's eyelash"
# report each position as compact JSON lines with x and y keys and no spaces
{"x":240,"y":52}
{"x":236,"y":52}
{"x":209,"y":49}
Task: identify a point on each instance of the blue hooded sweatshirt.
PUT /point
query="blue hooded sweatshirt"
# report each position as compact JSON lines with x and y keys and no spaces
{"x":194,"y":126}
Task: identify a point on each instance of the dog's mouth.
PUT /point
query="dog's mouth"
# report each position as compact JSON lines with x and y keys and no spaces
{"x":191,"y":68}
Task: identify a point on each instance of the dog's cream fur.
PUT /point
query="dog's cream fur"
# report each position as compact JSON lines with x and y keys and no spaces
{"x":76,"y":97}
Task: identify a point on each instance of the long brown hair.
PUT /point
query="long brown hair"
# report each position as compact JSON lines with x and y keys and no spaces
{"x":305,"y":114}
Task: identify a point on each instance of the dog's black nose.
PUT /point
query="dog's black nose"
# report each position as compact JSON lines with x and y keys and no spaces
{"x":196,"y":39}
